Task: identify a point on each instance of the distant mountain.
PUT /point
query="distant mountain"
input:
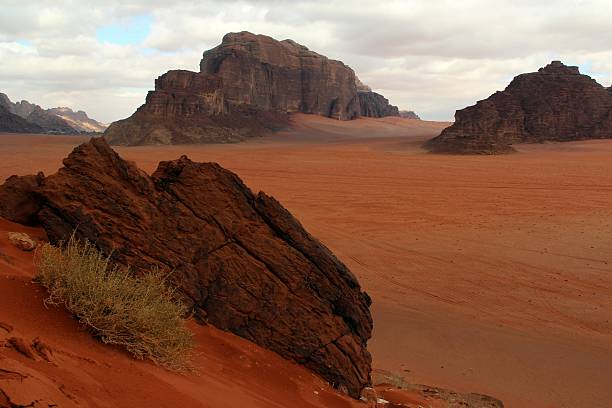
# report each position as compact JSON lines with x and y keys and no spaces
{"x":9,"y":122}
{"x":54,"y":120}
{"x":408,"y":114}
{"x":78,"y":120}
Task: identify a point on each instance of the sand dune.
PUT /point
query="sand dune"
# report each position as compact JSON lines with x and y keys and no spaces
{"x":488,"y":274}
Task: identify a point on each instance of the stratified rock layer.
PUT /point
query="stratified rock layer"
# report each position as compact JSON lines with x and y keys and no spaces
{"x":243,"y":262}
{"x":557,"y":103}
{"x":246,"y":86}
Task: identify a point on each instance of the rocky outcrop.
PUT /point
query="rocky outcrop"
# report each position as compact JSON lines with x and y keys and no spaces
{"x":375,"y":105}
{"x":9,"y":122}
{"x":246,"y":86}
{"x":557,"y":103}
{"x":406,"y":114}
{"x":242,"y":261}
{"x":54,"y":120}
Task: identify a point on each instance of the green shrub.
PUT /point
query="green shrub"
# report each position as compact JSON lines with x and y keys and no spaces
{"x":140,"y":313}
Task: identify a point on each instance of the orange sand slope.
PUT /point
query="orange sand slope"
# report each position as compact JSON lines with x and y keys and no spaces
{"x":60,"y":362}
{"x":488,"y":274}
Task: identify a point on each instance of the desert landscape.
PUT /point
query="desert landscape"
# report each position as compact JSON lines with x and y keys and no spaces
{"x":281,"y":228}
{"x":487,"y":274}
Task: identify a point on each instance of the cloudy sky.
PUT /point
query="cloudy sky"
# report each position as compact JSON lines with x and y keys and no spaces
{"x":432,"y":56}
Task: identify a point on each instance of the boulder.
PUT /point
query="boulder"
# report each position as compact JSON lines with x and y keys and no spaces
{"x":246,"y":87}
{"x":22,"y":241}
{"x":241,"y":260}
{"x":557,"y":103}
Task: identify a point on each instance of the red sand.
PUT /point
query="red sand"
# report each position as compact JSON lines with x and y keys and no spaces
{"x":488,"y":274}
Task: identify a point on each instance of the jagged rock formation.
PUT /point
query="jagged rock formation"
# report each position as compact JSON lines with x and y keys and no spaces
{"x":9,"y":122}
{"x":242,"y":261}
{"x":246,"y":86}
{"x":375,"y":105}
{"x":54,"y":120}
{"x":557,"y":103}
{"x":408,"y":114}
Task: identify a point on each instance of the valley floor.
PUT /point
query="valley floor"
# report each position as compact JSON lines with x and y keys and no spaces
{"x":489,"y":274}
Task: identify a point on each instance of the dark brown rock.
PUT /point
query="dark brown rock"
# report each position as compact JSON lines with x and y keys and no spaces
{"x":17,"y":200}
{"x":557,"y":103}
{"x":243,"y":262}
{"x":246,"y":86}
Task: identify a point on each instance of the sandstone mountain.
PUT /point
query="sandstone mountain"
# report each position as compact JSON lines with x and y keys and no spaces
{"x":246,"y":86}
{"x":54,"y":120}
{"x":557,"y":103}
{"x":242,"y":261}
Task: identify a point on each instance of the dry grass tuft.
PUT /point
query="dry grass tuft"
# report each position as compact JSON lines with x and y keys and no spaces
{"x":140,"y":313}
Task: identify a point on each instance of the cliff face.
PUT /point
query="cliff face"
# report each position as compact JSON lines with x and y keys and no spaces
{"x":246,"y":86}
{"x":557,"y":103}
{"x":375,"y":105}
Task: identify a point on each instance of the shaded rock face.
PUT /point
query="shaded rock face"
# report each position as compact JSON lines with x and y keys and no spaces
{"x":246,"y":86}
{"x":557,"y":103}
{"x":242,"y":261}
{"x":9,"y":122}
{"x":18,"y":202}
{"x":375,"y":105}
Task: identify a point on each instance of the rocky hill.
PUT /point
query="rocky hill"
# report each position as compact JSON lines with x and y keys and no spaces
{"x":246,"y":86}
{"x":54,"y":120}
{"x":557,"y":103}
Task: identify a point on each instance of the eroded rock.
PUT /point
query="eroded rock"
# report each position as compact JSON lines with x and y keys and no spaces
{"x":243,"y":262}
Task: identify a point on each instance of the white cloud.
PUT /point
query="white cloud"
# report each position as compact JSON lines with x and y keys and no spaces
{"x":430,"y":56}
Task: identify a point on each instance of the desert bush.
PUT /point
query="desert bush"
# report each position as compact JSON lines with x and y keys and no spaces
{"x":138,"y":312}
